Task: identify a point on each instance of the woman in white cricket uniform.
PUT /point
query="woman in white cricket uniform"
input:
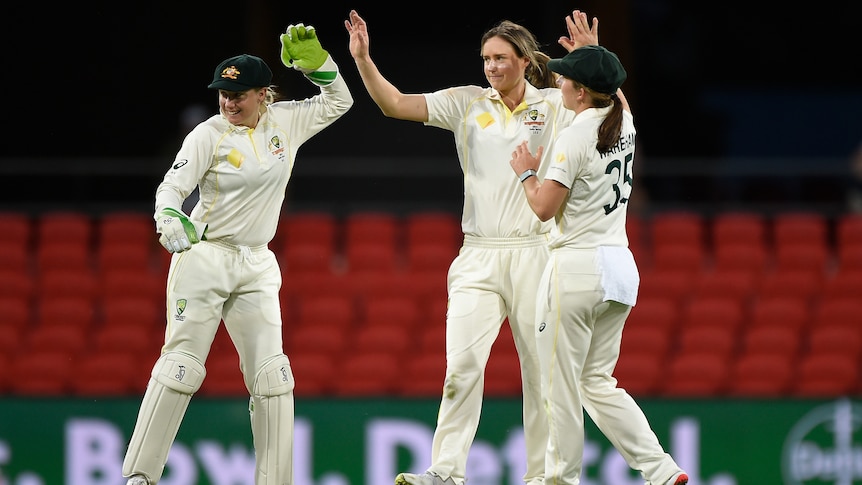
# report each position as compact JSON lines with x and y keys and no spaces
{"x":590,"y":282}
{"x":241,"y":160}
{"x":495,"y":275}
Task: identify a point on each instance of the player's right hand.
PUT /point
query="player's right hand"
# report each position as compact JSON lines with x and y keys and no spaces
{"x":177,"y":232}
{"x":300,"y":48}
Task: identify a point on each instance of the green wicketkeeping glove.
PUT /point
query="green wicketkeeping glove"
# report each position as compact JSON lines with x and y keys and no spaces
{"x":178,"y":232}
{"x":300,"y":48}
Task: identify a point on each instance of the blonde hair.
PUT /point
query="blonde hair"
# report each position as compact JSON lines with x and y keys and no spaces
{"x":526,"y":46}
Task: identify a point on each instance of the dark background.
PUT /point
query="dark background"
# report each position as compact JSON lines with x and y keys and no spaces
{"x":105,"y":83}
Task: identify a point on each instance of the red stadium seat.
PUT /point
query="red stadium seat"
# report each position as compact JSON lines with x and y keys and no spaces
{"x":68,"y":283}
{"x":45,"y":373}
{"x":121,"y":227}
{"x":68,"y":311}
{"x":300,"y":258}
{"x":739,"y":228}
{"x":308,"y":227}
{"x":436,"y":228}
{"x":315,"y":373}
{"x":826,"y":375}
{"x":674,"y":284}
{"x":380,"y":228}
{"x":791,"y":228}
{"x":224,"y":377}
{"x":709,"y":339}
{"x":678,"y":228}
{"x":64,"y":227}
{"x":17,"y":229}
{"x":65,"y":256}
{"x":695,"y":375}
{"x":772,"y":339}
{"x":761,"y":375}
{"x":400,"y":311}
{"x":367,"y":374}
{"x":370,"y":256}
{"x":322,"y":339}
{"x":716,"y":311}
{"x":15,"y":256}
{"x":779,"y":311}
{"x":848,"y":230}
{"x":423,"y":376}
{"x":389,"y":339}
{"x":640,"y":372}
{"x":73,"y":339}
{"x":731,"y":283}
{"x":124,"y":255}
{"x":107,"y":374}
{"x":429,"y":257}
{"x":14,"y":284}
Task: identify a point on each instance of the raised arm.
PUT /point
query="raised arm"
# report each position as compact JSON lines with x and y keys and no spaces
{"x":392,"y":102}
{"x":580,"y":31}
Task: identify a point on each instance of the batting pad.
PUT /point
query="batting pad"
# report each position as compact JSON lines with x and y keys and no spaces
{"x":272,"y":414}
{"x":174,"y":379}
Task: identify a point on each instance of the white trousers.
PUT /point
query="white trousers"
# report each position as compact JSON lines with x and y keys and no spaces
{"x":578,"y":340}
{"x":490,"y":280}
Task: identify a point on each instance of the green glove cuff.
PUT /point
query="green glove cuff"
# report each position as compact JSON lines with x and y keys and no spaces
{"x":188,"y":226}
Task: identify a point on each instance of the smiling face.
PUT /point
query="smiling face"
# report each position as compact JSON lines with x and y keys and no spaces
{"x":241,"y":108}
{"x":503,"y":68}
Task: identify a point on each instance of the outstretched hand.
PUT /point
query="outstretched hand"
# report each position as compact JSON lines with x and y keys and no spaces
{"x":300,"y":48}
{"x":358,"y":31}
{"x":523,"y":160}
{"x":580,"y":31}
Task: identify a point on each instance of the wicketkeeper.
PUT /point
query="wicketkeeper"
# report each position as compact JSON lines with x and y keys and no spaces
{"x":222,"y":269}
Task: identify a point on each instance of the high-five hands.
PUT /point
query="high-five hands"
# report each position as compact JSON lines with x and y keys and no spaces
{"x":580,"y":32}
{"x":358,"y":30}
{"x":301,"y":50}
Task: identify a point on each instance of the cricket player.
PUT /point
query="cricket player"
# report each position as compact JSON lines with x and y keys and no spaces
{"x":222,"y":269}
{"x":590,"y":282}
{"x":495,"y":275}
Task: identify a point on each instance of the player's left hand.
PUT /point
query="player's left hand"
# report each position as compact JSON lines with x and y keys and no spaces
{"x":301,"y":50}
{"x":177,"y":233}
{"x":580,"y":32}
{"x":522,"y":160}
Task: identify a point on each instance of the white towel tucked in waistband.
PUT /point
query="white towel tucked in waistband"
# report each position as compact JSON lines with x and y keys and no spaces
{"x":620,"y":278}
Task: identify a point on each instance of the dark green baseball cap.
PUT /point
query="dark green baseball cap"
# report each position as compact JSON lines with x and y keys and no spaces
{"x":241,"y":73}
{"x":593,"y":66}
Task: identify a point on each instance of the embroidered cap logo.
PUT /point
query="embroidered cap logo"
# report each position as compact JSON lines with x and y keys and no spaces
{"x":230,"y":72}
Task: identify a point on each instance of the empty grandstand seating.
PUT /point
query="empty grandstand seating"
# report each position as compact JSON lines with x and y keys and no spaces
{"x":733,"y":304}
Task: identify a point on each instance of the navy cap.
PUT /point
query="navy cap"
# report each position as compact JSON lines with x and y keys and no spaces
{"x":593,"y":66}
{"x":241,"y":73}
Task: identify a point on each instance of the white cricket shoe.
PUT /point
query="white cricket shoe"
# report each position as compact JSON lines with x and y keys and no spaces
{"x":138,"y":480}
{"x":422,"y":479}
{"x":678,"y":479}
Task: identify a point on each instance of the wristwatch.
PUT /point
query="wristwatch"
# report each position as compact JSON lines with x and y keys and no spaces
{"x":527,"y":174}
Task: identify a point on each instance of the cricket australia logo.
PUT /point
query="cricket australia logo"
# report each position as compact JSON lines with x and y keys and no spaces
{"x":825,"y":446}
{"x":276,"y":148}
{"x":181,"y":307}
{"x":534,"y":121}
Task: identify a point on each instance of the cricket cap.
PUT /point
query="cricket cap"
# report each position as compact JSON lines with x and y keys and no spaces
{"x":241,"y":73}
{"x":593,"y":66}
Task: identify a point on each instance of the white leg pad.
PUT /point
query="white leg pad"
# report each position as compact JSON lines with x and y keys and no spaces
{"x":174,"y":379}
{"x":272,"y":413}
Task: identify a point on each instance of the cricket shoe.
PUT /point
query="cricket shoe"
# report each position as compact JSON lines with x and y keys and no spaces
{"x":678,"y":479}
{"x":422,"y":479}
{"x":138,"y":480}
